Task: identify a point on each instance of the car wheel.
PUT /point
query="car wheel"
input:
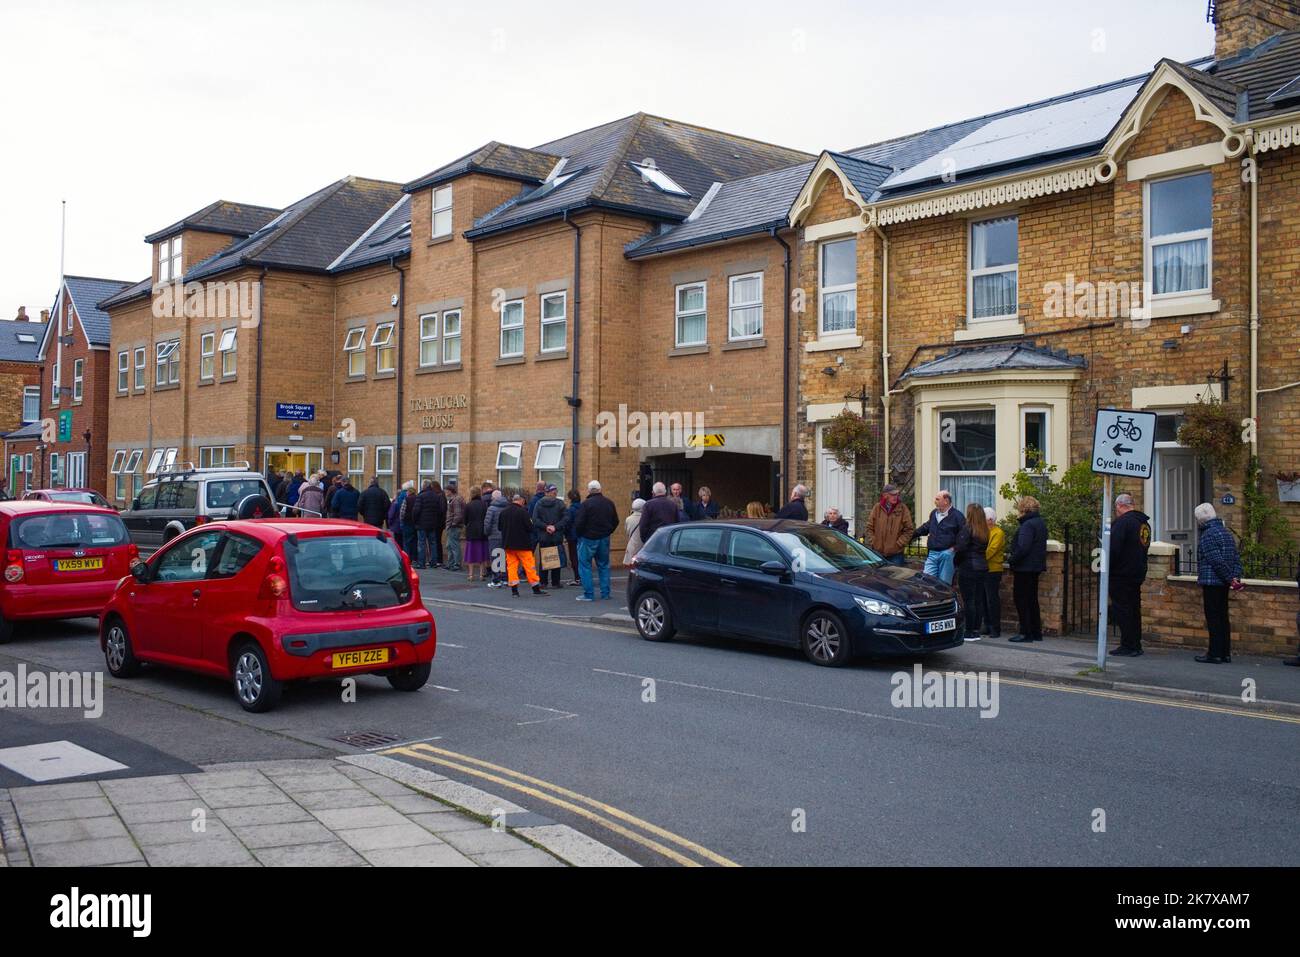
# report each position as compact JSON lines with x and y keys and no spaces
{"x":119,"y":655}
{"x":653,"y":619}
{"x":255,"y":687}
{"x":412,"y":678}
{"x":824,"y":639}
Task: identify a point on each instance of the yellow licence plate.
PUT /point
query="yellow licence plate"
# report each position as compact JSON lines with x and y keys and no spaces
{"x":355,"y":659}
{"x":78,"y":564}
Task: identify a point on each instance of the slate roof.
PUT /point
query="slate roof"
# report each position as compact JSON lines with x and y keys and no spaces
{"x":135,"y":291}
{"x":499,"y":159}
{"x":32,"y":430}
{"x":14,"y":350}
{"x":995,"y":358}
{"x":389,"y":237}
{"x":231,"y":219}
{"x":311,"y":233}
{"x":1262,"y":71}
{"x":87,"y":294}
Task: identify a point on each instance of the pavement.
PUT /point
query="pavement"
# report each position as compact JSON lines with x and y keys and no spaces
{"x":1257,"y":682}
{"x":344,"y":812}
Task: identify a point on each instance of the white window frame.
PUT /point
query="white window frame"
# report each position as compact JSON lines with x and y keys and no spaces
{"x":440,"y":199}
{"x":1149,"y":242}
{"x":382,"y":473}
{"x":123,"y":372}
{"x":354,"y":345}
{"x":733,"y":306}
{"x":169,"y":458}
{"x":229,"y":349}
{"x":208,"y":457}
{"x":383,"y":344}
{"x":972,"y":273}
{"x":155,"y":460}
{"x":448,"y":338}
{"x":823,"y":290}
{"x":421,"y":473}
{"x":504,"y":448}
{"x":679,"y":313}
{"x":938,"y":461}
{"x":56,"y":470}
{"x":78,"y":379}
{"x":119,"y":478}
{"x":356,"y":460}
{"x":444,"y":473}
{"x":207,"y":356}
{"x":1046,"y":412}
{"x":542,"y":468}
{"x":430,"y":319}
{"x":562,"y":320}
{"x":169,"y":259}
{"x":29,"y":392}
{"x":520,"y":325}
{"x":56,"y":394}
{"x":141,"y":358}
{"x":169,"y":364}
{"x":133,"y":461}
{"x":119,"y":460}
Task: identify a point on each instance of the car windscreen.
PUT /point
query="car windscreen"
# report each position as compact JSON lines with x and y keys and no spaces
{"x":826,"y":550}
{"x":345,"y":573}
{"x":84,"y":498}
{"x":227,"y":493}
{"x":67,"y":530}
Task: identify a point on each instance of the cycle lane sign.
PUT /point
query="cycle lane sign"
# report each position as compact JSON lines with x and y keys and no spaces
{"x":1123,"y":443}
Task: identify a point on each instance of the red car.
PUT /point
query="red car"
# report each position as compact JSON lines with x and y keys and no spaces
{"x":61,"y":561}
{"x":84,"y":496}
{"x":268,"y":601}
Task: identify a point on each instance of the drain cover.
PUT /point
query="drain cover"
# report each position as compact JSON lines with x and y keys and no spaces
{"x":367,"y":739}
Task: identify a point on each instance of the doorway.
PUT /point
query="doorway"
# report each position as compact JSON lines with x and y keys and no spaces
{"x":305,"y":461}
{"x":835,"y":486}
{"x":1180,"y":484}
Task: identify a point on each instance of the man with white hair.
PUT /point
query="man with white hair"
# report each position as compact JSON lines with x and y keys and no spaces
{"x":661,"y":510}
{"x":1130,"y":540}
{"x":593,"y":525}
{"x":1218,"y":572}
{"x":941,"y":530}
{"x":795,"y":508}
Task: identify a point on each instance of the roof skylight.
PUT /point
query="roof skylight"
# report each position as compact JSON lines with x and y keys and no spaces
{"x":652,"y":174}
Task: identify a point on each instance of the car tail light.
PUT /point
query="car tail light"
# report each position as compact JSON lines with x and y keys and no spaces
{"x":275,"y":585}
{"x":13,"y":566}
{"x":202,"y":520}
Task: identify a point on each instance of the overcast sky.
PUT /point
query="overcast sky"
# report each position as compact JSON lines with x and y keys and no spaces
{"x":139,"y":113}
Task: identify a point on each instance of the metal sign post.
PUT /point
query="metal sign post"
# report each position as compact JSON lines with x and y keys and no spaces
{"x":1123,"y":443}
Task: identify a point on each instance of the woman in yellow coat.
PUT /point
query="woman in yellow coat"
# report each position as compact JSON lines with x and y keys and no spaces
{"x":995,"y":553}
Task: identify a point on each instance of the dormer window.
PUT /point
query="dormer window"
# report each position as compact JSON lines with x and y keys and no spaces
{"x":652,"y":174}
{"x":169,"y":259}
{"x":442,"y":212}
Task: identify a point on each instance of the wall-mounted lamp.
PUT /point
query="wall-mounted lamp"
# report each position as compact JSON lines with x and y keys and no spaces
{"x":830,"y":371}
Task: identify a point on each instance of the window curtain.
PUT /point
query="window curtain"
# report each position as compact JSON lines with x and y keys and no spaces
{"x":965,"y":489}
{"x":839,"y":312}
{"x":994,"y":294}
{"x":1179,"y":267}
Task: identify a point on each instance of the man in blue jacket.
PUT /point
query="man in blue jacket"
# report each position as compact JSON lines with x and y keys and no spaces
{"x":1218,"y":572}
{"x":942,"y":528}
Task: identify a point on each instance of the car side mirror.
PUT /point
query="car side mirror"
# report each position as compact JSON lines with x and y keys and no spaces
{"x":140,"y":572}
{"x":135,"y":504}
{"x":774,"y":568}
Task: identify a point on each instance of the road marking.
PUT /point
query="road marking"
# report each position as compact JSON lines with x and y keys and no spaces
{"x":443,"y":688}
{"x":760,"y":697}
{"x":448,"y":644}
{"x":1151,"y":699}
{"x":532,"y":787}
{"x":558,"y":715}
{"x":385,"y":747}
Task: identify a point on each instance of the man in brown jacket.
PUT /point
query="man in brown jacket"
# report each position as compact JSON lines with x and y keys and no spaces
{"x":890,"y":526}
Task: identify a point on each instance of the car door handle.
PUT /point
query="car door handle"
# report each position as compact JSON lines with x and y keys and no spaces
{"x":729,"y":581}
{"x":195,"y":593}
{"x":676,"y":571}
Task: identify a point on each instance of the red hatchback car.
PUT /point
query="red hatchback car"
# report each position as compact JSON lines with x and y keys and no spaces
{"x":61,"y":560}
{"x":269,"y":601}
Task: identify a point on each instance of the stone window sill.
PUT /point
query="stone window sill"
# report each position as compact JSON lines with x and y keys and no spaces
{"x":989,"y":329}
{"x":744,"y":344}
{"x":689,"y":351}
{"x":430,"y":370}
{"x":547,"y":356}
{"x":833,"y":343}
{"x":1184,"y":307}
{"x":439,"y":240}
{"x":385,"y":375}
{"x":511,"y":361}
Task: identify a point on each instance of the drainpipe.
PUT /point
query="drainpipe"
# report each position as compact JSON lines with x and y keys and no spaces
{"x":259,"y":462}
{"x":1254,"y":307}
{"x":401,"y":370}
{"x":784,"y":473}
{"x":885,"y":392}
{"x":574,"y":400}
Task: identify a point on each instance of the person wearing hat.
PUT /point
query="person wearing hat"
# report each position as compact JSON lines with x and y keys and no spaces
{"x":516,"y":538}
{"x":550,"y":519}
{"x":890,"y":526}
{"x":455,"y":525}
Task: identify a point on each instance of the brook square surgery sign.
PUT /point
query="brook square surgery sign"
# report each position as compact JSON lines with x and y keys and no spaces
{"x":1123,"y":442}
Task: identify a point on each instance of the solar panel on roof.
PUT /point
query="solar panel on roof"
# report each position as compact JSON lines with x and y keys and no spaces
{"x":1054,"y":128}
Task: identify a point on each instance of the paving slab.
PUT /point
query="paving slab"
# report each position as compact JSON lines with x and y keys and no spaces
{"x":178,"y":832}
{"x":405,"y":834}
{"x":283,"y":834}
{"x":59,"y":810}
{"x":163,"y":811}
{"x":337,"y":798}
{"x":339,"y":819}
{"x":483,"y":840}
{"x":425,"y":855}
{"x":74,"y":829}
{"x":264,"y":814}
{"x":526,"y":857}
{"x":220,"y":852}
{"x":113,"y":850}
{"x":333,"y":854}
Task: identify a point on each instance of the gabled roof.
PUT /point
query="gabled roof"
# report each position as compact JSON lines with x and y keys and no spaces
{"x":135,"y":291}
{"x":87,"y":294}
{"x":498,"y":159}
{"x":310,"y":234}
{"x":231,"y":219}
{"x":14,"y":344}
{"x":388,"y":238}
{"x":996,"y":358}
{"x":692,"y":156}
{"x":1262,"y":71}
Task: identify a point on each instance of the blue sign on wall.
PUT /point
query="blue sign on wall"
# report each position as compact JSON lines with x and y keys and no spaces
{"x":296,"y":411}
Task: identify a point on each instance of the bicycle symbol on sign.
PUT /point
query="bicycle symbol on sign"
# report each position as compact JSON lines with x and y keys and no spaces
{"x":1128,"y":427}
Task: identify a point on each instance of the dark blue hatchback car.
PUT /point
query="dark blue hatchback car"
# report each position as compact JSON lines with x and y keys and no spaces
{"x":789,"y":583}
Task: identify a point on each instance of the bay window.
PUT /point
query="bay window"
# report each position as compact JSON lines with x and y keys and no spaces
{"x":968,"y":456}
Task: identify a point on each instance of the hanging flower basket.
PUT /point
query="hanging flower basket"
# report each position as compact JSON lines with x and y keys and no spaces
{"x":1213,"y":432}
{"x":846,"y":437}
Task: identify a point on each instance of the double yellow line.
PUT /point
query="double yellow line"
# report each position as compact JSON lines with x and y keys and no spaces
{"x":609,"y":817}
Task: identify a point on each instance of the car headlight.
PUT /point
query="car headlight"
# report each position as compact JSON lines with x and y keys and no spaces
{"x":876,"y":607}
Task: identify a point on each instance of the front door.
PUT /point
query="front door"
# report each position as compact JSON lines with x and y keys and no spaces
{"x":76,"y":470}
{"x":305,"y":461}
{"x":1179,"y":489}
{"x":835,"y":487}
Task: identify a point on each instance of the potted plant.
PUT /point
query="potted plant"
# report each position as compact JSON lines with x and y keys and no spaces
{"x":847,"y":436}
{"x":1288,"y":486}
{"x":1214,"y":433}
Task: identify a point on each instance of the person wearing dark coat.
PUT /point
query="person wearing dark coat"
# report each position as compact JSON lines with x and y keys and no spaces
{"x":661,"y":510}
{"x":476,"y":545}
{"x":795,"y":508}
{"x":1295,"y":662}
{"x":835,"y":520}
{"x":373,"y":504}
{"x":972,"y":565}
{"x":517,"y":533}
{"x":550,"y":516}
{"x":1130,"y":540}
{"x":704,"y":507}
{"x":1027,"y":562}
{"x":345,"y":501}
{"x":596,"y":521}
{"x":430,"y":518}
{"x":570,"y":536}
{"x":1218,"y":572}
{"x":940,"y":531}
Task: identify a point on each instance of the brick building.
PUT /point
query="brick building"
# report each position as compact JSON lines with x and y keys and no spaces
{"x":20,"y":392}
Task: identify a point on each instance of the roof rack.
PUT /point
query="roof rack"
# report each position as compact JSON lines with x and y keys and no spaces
{"x":183,"y":469}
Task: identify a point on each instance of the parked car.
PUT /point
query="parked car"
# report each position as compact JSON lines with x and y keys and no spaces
{"x":84,"y":496}
{"x":788,"y":583}
{"x":262,"y":603}
{"x":62,"y":560}
{"x":182,"y":498}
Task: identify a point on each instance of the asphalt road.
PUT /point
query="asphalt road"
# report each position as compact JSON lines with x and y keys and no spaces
{"x":740,"y":745}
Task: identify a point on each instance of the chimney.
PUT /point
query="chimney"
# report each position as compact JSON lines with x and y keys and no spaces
{"x":22,"y":315}
{"x":45,"y":315}
{"x":1242,"y":24}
